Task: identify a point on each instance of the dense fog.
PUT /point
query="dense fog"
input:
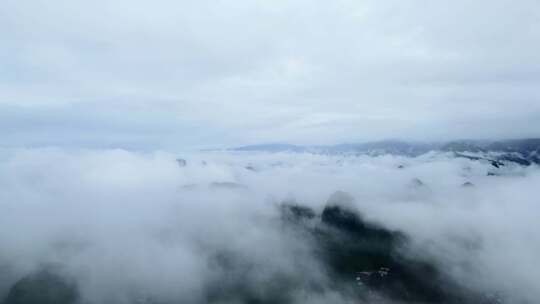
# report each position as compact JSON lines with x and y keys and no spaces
{"x":129,"y":227}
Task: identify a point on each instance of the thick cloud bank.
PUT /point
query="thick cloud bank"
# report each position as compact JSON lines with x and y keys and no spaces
{"x":174,"y":73}
{"x":126,"y":227}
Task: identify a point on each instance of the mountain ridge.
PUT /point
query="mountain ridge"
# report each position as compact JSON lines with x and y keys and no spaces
{"x":524,"y":151}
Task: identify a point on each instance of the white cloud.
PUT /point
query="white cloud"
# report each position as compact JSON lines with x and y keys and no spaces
{"x":122,"y":224}
{"x":256,"y":70}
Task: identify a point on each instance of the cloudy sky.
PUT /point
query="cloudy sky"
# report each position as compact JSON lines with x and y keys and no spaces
{"x":175,"y":74}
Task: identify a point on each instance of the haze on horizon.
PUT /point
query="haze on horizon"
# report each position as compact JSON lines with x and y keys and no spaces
{"x":175,"y":74}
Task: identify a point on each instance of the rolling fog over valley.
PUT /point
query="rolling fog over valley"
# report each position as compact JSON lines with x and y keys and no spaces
{"x":256,"y":227}
{"x":269,"y":152}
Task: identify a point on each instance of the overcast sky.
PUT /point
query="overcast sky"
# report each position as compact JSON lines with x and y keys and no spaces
{"x":175,"y":74}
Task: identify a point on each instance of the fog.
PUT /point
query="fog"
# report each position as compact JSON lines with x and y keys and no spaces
{"x":120,"y":181}
{"x":130,"y":226}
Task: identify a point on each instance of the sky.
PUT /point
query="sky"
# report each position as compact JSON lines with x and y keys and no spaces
{"x":191,"y":74}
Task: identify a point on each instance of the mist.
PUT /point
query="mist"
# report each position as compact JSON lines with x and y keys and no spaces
{"x":130,"y":227}
{"x":269,"y":152}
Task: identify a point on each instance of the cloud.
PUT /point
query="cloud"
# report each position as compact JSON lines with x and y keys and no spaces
{"x":126,"y":225}
{"x":252,"y":72}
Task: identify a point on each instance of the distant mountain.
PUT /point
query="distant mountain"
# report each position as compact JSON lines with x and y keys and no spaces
{"x":378,"y":147}
{"x":384,"y":147}
{"x":521,"y":151}
{"x":272,"y":148}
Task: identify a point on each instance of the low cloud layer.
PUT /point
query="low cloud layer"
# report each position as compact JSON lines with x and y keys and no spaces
{"x":131,"y":226}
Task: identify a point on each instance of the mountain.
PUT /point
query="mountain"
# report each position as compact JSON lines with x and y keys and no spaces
{"x":521,"y":151}
{"x":395,"y":147}
{"x":272,"y":148}
{"x":378,"y":147}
